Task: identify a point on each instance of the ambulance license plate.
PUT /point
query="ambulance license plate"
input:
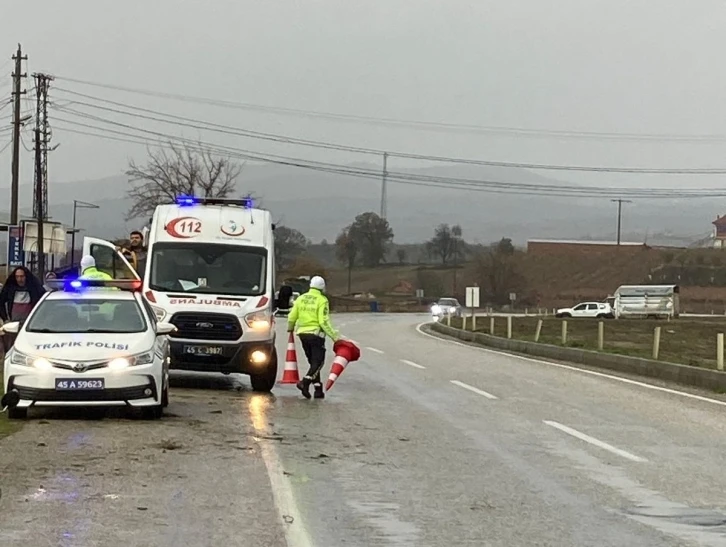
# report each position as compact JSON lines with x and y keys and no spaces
{"x":203,"y":350}
{"x":87,"y":384}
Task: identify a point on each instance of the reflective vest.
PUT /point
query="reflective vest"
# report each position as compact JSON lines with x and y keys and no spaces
{"x":311,"y":315}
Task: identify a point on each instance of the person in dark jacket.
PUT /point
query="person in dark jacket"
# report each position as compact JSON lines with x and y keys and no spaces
{"x":19,"y":295}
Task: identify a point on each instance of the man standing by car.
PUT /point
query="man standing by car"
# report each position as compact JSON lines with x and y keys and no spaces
{"x":18,"y":297}
{"x":136,"y":253}
{"x":311,"y":314}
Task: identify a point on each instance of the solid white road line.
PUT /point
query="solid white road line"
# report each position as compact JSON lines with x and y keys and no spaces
{"x":474,"y":389}
{"x":595,"y":442}
{"x":376,"y":350}
{"x":576,"y":369}
{"x":412,"y":364}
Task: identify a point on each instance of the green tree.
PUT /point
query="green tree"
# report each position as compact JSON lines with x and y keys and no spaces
{"x":446,"y":243}
{"x":372,"y":235}
{"x":289,"y":245}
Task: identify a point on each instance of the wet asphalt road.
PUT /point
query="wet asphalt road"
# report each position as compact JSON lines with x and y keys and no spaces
{"x":514,"y":453}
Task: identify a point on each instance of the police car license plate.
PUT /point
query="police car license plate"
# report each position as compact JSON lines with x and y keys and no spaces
{"x":87,"y":384}
{"x":203,"y":350}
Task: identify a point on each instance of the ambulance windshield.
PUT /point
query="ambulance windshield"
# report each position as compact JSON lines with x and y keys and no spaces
{"x":208,"y":268}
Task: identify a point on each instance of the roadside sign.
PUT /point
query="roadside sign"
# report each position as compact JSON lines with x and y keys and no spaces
{"x":512,"y":296}
{"x":419,"y":293}
{"x":16,"y":255}
{"x":472,"y":297}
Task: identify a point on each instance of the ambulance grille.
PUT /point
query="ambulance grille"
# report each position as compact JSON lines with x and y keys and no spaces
{"x":206,"y":326}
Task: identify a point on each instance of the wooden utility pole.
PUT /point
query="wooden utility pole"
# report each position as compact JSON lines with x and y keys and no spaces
{"x":620,"y":202}
{"x":18,"y":75}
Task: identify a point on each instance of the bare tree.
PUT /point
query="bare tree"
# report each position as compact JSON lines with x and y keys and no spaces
{"x":182,"y":169}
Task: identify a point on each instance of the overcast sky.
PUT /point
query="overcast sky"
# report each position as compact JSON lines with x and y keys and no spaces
{"x":625,"y":66}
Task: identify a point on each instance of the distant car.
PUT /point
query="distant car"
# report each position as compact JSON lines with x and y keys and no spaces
{"x":284,"y":303}
{"x":600,"y":310}
{"x":447,"y":306}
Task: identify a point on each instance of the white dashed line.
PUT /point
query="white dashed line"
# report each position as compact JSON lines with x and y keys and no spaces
{"x":376,"y":350}
{"x":412,"y":364}
{"x":576,"y":369}
{"x":474,"y":389}
{"x":595,"y":442}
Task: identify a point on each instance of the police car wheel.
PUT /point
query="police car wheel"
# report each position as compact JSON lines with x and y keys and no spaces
{"x":153,"y":412}
{"x":17,"y":413}
{"x":266,"y":381}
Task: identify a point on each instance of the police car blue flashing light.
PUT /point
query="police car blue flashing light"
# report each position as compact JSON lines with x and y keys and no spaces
{"x":77,"y":285}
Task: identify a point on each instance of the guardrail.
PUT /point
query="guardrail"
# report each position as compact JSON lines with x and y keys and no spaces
{"x":683,"y":374}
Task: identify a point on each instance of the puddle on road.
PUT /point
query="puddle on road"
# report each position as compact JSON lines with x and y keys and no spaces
{"x":382,"y":516}
{"x":706,"y":527}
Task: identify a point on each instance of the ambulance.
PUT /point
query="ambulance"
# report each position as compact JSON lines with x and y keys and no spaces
{"x":210,"y":271}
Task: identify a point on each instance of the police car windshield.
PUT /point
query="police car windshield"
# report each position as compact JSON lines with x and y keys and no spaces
{"x":87,"y":316}
{"x":208,"y":268}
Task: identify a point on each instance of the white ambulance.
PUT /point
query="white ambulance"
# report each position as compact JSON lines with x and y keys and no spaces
{"x":210,"y":271}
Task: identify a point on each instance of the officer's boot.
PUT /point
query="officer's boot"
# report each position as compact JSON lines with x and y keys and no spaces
{"x":319,"y":391}
{"x":304,"y":386}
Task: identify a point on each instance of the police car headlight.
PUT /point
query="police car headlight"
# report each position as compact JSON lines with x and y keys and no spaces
{"x":42,"y":364}
{"x":119,"y":364}
{"x":18,"y":358}
{"x":258,"y":320}
{"x":143,"y":358}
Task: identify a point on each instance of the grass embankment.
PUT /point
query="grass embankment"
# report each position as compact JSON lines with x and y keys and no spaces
{"x":684,"y":341}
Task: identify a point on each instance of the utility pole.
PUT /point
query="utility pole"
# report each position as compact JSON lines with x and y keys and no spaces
{"x":17,"y":92}
{"x":620,"y":202}
{"x":42,"y":139}
{"x":384,"y":196}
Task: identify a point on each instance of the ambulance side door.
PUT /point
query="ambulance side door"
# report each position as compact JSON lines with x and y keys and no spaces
{"x":108,"y":258}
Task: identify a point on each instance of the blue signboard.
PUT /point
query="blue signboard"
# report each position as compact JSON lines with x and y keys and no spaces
{"x":16,"y":255}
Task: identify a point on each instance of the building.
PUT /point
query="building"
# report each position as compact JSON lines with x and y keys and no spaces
{"x":719,"y":232}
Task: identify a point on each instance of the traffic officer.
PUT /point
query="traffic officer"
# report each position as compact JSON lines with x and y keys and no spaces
{"x":311,"y":314}
{"x":89,"y":270}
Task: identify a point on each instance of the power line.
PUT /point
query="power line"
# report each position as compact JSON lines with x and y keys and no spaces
{"x":517,"y":131}
{"x":496,"y":187}
{"x":285,"y":139}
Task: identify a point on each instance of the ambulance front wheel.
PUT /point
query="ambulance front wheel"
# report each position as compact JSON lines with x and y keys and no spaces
{"x":265,"y":381}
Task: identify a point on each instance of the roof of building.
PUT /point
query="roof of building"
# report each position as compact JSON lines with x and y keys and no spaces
{"x":720,"y":221}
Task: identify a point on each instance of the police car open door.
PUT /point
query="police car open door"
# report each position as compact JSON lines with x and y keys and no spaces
{"x":108,"y":258}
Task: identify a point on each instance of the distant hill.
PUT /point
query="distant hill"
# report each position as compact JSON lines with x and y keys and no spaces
{"x":320,"y":204}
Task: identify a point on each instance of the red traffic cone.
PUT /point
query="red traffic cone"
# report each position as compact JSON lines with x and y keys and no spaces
{"x":345,"y":352}
{"x":291,"y":374}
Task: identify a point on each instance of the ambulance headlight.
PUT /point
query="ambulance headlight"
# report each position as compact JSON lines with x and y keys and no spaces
{"x":160,"y":313}
{"x":42,"y":364}
{"x":258,"y":320}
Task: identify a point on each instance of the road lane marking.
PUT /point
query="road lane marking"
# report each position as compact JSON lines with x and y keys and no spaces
{"x":595,"y":442}
{"x":412,"y":364}
{"x":293,"y":526}
{"x":575,"y":369}
{"x":374,"y":349}
{"x":474,"y":389}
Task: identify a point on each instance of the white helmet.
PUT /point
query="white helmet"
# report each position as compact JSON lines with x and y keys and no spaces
{"x":317,"y":282}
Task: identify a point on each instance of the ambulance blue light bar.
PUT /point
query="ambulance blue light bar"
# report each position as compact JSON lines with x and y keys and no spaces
{"x":189,"y":201}
{"x":78,"y":285}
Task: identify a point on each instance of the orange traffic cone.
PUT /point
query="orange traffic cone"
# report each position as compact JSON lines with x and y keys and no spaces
{"x":291,"y":374}
{"x":345,"y":352}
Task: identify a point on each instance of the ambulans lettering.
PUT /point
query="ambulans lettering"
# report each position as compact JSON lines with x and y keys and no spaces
{"x":204,"y":302}
{"x":98,"y":345}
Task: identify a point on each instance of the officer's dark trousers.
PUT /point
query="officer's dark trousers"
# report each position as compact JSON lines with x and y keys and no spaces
{"x":314,"y":348}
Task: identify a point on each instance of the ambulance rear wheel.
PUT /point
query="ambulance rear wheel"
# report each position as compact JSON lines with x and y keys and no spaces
{"x":265,"y":381}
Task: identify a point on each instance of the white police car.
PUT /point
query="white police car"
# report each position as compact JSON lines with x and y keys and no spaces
{"x":88,"y":344}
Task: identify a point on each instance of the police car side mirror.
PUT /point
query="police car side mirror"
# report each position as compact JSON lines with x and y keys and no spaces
{"x":163,"y":329}
{"x":11,"y":328}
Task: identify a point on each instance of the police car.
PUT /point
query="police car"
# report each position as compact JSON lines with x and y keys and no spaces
{"x":88,"y":343}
